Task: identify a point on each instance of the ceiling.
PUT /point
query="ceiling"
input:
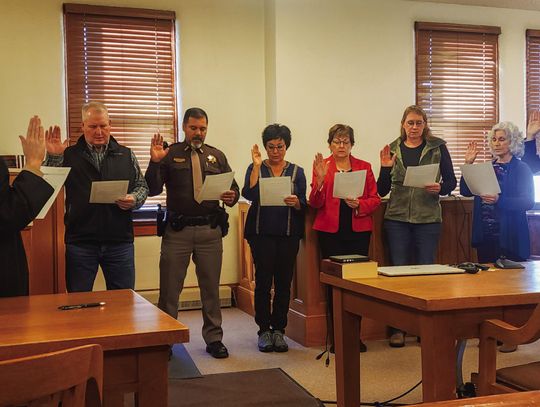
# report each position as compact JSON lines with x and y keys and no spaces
{"x":514,"y":4}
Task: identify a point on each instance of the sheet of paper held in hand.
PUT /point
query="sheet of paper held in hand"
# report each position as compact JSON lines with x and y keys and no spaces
{"x":349,"y":184}
{"x":55,"y":176}
{"x":215,"y":185}
{"x":421,"y":175}
{"x":108,"y":191}
{"x":481,"y":178}
{"x":274,"y":190}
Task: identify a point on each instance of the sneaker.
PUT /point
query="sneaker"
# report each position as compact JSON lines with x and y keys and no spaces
{"x":279,"y":342}
{"x":217,"y":350}
{"x":397,"y":340}
{"x":265,"y":342}
{"x":504,"y":348}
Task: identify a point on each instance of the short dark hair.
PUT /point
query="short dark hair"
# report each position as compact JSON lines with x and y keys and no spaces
{"x":341,"y":130}
{"x":195,"y":112}
{"x":276,"y":131}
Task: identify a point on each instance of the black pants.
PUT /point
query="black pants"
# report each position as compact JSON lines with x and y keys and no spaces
{"x":490,"y":250}
{"x":331,"y":244}
{"x":274,"y":258}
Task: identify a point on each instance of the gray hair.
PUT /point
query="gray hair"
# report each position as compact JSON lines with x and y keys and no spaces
{"x":517,"y":146}
{"x":93,"y":105}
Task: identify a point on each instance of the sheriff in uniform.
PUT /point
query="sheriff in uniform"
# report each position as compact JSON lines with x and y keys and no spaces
{"x":192,"y":228}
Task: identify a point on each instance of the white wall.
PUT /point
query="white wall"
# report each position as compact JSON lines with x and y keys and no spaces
{"x":353,"y":62}
{"x":306,"y":63}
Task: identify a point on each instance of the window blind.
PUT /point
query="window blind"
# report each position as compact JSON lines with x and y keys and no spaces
{"x":125,"y":58}
{"x":533,"y":70}
{"x":457,"y":83}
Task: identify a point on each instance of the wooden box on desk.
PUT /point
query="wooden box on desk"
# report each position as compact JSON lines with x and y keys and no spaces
{"x":350,"y":271}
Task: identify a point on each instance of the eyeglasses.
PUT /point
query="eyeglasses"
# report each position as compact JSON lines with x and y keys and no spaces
{"x":337,"y":142}
{"x":417,"y":123}
{"x":279,"y":147}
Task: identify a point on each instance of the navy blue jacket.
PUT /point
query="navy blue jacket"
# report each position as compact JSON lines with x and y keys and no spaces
{"x":530,"y":157}
{"x":516,"y":197}
{"x":275,"y":220}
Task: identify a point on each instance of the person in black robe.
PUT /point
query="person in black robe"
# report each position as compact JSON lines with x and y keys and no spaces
{"x":19,"y":205}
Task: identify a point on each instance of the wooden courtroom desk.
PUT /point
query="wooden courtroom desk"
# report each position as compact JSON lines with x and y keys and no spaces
{"x":440,"y":309}
{"x":133,"y":333}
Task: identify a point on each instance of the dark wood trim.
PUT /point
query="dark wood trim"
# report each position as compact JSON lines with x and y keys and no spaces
{"x":532,"y":33}
{"x":144,"y":227}
{"x":464,"y":28}
{"x":119,"y":11}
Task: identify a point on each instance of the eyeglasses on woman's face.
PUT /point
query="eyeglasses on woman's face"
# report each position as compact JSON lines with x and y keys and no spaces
{"x":343,"y":142}
{"x":417,"y":123}
{"x":278,"y":147}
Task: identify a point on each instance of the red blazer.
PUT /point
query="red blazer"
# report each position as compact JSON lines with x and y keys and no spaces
{"x":327,"y":218}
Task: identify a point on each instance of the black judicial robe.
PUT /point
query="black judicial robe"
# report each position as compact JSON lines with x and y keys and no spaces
{"x":19,"y":205}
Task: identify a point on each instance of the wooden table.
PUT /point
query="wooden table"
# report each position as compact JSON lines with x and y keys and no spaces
{"x":133,"y":333}
{"x":440,"y":309}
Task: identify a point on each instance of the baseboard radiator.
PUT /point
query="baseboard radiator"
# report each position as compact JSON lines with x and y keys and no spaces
{"x":191,"y":297}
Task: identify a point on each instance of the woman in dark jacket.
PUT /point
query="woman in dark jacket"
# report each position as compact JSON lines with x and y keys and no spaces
{"x":274,"y":233}
{"x":499,"y":221}
{"x":19,"y":204}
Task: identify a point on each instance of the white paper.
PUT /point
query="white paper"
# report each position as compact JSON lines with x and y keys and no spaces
{"x":273,"y":190}
{"x":481,"y":178}
{"x":55,"y":176}
{"x":215,"y":185}
{"x":421,"y":175}
{"x":108,"y":191}
{"x":349,"y":184}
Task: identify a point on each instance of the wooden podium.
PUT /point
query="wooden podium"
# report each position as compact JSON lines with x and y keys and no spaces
{"x":45,"y":251}
{"x":307,"y":309}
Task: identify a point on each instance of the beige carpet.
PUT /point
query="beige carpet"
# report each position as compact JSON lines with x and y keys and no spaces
{"x":386,"y":372}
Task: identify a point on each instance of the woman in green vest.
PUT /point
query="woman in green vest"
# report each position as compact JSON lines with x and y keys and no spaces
{"x":412,"y":221}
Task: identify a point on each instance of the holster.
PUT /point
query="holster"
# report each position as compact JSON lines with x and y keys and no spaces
{"x":221,"y":219}
{"x":161,"y":221}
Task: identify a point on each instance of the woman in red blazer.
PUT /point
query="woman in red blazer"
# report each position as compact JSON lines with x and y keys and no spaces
{"x":344,"y":225}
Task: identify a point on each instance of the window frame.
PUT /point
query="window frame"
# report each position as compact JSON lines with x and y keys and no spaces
{"x":461,"y":130}
{"x":121,"y":79}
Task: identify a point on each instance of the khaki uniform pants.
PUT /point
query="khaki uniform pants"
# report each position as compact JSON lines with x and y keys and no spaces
{"x":206,"y":246}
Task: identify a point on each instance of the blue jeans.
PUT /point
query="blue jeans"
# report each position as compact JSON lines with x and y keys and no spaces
{"x":412,"y":243}
{"x":117,"y":261}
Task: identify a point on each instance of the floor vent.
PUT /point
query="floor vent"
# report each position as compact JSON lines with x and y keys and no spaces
{"x":191,"y":297}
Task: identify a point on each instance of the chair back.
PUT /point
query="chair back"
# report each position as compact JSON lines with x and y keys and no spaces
{"x":492,"y":381}
{"x":73,"y":377}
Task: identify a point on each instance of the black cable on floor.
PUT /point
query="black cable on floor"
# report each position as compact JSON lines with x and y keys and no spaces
{"x":383,"y":403}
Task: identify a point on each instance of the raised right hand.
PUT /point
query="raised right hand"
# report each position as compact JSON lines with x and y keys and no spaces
{"x":33,"y":144}
{"x":157,"y":152}
{"x":256,"y":156}
{"x":471,"y":153}
{"x":53,"y":141}
{"x":533,"y":126}
{"x":320,"y":167}
{"x":387,"y":159}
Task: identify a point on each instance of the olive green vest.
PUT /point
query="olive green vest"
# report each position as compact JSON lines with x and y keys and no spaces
{"x":408,"y":204}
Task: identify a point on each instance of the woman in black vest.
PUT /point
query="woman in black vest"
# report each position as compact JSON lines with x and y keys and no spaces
{"x":273,"y":232}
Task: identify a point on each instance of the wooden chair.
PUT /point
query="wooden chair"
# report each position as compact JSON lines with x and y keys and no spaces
{"x":510,"y":379}
{"x":73,"y":377}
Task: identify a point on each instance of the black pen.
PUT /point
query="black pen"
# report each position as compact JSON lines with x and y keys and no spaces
{"x":79,"y":306}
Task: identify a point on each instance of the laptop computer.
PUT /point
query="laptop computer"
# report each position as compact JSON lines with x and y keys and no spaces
{"x":419,"y":270}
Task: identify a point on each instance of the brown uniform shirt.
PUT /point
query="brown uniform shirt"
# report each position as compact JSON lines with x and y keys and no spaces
{"x":174,"y":171}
